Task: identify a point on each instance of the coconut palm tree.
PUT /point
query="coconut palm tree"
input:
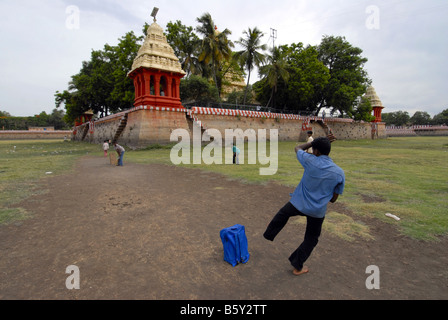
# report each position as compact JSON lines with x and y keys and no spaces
{"x":250,"y":56}
{"x":275,"y":69}
{"x":216,"y":47}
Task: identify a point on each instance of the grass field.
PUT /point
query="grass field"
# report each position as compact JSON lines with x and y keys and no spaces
{"x":24,"y":162}
{"x":407,"y":177}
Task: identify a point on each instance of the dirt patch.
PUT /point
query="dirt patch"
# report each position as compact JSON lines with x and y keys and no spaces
{"x":152,"y":232}
{"x":369,"y":198}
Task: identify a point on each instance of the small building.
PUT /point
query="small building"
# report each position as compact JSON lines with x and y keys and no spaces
{"x":156,"y":72}
{"x":375,"y":102}
{"x":86,"y":117}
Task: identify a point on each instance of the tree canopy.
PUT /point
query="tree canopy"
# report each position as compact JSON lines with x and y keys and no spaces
{"x":43,"y":119}
{"x":402,"y":118}
{"x":348,"y":79}
{"x":186,"y":46}
{"x":102,"y":84}
{"x":441,"y":118}
{"x":310,"y":78}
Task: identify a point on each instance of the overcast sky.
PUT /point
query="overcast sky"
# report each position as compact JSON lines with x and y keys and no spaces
{"x":43,"y":42}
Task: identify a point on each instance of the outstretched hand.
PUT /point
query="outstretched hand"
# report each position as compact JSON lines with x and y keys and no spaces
{"x":331,"y":137}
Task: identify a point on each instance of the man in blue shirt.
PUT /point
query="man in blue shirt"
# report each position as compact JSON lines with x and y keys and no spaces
{"x":322,"y":182}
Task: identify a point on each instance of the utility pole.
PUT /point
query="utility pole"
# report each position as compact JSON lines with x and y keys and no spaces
{"x":273,"y":36}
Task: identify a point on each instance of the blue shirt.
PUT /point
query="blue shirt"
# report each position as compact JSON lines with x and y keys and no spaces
{"x":321,"y":179}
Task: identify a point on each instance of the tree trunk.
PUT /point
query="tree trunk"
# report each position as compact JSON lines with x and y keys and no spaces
{"x":247,"y":87}
{"x":272,"y":94}
{"x":216,"y":82}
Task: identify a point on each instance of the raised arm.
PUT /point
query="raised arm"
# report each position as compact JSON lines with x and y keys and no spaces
{"x":308,"y":145}
{"x":302,"y":147}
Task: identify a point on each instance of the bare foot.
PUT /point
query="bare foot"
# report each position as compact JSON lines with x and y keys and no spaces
{"x":299,"y":272}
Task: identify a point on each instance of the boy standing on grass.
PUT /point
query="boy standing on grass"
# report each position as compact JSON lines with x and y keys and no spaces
{"x":322,"y":182}
{"x":236,"y":153}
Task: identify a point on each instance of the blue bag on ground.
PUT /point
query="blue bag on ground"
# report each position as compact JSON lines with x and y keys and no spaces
{"x":234,"y":241}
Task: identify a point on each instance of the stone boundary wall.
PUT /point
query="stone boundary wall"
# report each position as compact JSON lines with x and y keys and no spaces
{"x":145,"y":125}
{"x":432,"y":131}
{"x":34,"y":135}
{"x":417,"y":131}
{"x":290,"y":127}
{"x":149,"y":125}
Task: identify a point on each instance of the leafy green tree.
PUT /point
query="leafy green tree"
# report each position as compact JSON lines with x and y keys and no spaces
{"x":421,"y":118}
{"x":40,"y":120}
{"x":397,"y":118}
{"x":441,"y":118}
{"x":251,"y":56}
{"x":186,"y":46}
{"x":348,"y":79}
{"x":308,"y":77}
{"x":386,"y":118}
{"x":102,"y":84}
{"x":56,"y":120}
{"x":122,"y":57}
{"x":72,"y":105}
{"x":362,"y":111}
{"x":197,"y":90}
{"x":215,"y":47}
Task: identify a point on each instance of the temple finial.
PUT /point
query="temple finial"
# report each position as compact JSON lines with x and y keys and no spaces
{"x":154,"y":13}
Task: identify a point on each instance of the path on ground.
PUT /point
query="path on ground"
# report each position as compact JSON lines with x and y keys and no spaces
{"x":152,"y":232}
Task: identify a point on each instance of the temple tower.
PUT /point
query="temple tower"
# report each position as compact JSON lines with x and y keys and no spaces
{"x":376,"y":103}
{"x":156,"y":72}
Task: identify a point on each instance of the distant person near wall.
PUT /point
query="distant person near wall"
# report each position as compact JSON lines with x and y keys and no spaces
{"x":309,"y":140}
{"x":105,"y":147}
{"x":236,"y":152}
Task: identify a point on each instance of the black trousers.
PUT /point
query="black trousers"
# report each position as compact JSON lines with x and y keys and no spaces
{"x":312,"y":233}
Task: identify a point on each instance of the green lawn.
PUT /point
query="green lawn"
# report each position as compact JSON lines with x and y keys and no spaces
{"x":407,"y":177}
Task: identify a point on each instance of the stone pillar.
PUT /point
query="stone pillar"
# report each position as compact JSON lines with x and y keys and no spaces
{"x":157,"y":85}
{"x":168,"y":87}
{"x":147,"y":82}
{"x":377,"y":113}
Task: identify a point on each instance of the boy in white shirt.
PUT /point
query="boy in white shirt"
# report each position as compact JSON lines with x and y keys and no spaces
{"x":309,"y":140}
{"x":105,"y":147}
